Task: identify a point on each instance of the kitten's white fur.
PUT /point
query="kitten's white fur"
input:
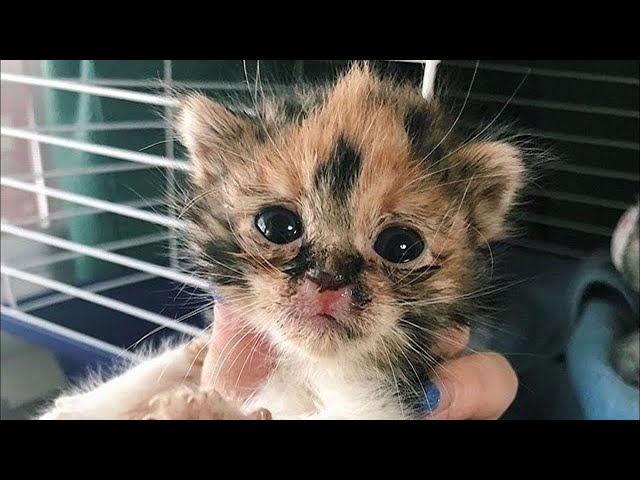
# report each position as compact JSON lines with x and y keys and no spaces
{"x":132,"y":390}
{"x":317,"y":390}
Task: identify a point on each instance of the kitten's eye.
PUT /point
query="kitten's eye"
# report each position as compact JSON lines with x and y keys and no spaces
{"x":399,"y":245}
{"x":279,"y":225}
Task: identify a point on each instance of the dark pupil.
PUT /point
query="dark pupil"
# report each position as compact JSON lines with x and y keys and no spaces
{"x":399,"y":245}
{"x":279,"y":225}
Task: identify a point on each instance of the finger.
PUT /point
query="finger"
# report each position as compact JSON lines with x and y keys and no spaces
{"x":480,"y":386}
{"x":238,"y":359}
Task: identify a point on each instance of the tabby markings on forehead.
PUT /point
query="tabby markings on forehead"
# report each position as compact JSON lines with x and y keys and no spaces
{"x":341,"y":171}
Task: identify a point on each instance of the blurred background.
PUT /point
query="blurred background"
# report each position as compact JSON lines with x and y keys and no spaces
{"x":87,"y":161}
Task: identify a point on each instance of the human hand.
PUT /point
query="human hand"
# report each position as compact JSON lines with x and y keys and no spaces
{"x":477,"y":386}
{"x":238,"y":359}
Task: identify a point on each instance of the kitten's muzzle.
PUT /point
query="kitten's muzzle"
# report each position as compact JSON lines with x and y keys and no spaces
{"x":325,"y":280}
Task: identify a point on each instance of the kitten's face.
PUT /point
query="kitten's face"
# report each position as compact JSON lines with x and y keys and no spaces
{"x":353,"y":225}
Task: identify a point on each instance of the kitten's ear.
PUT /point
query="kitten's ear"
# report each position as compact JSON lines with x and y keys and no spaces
{"x":215,"y":137}
{"x":498,"y":173}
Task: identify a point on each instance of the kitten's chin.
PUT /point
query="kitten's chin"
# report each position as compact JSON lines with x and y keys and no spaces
{"x":318,"y":346}
{"x":322,"y":335}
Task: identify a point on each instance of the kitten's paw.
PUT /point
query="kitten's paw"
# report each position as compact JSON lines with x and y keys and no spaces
{"x":67,"y":407}
{"x":192,"y":356}
{"x":197,"y":348}
{"x":188,"y":403}
{"x":627,"y":358}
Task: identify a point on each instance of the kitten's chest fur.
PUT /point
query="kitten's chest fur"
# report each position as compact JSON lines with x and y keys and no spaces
{"x":328,"y":390}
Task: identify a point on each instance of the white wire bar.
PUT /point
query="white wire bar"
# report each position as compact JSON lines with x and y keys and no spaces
{"x":100,"y":300}
{"x":113,"y":152}
{"x":75,"y":86}
{"x":79,"y":211}
{"x":546,"y":104}
{"x":596,"y":172}
{"x":108,"y":246}
{"x":7,"y":288}
{"x":106,"y":256}
{"x":95,"y":203}
{"x":604,"y":142}
{"x":497,"y":67}
{"x":429,"y":77}
{"x":121,"y":83}
{"x":583,"y":199}
{"x":81,"y":85}
{"x":565,"y":137}
{"x":100,"y":127}
{"x":8,"y":291}
{"x":548,"y":247}
{"x":97,"y":170}
{"x":42,"y":201}
{"x":66,"y":332}
{"x":98,"y":287}
{"x":568,"y":225}
{"x":169,"y":152}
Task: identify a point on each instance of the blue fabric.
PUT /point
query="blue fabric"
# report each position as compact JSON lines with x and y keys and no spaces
{"x":557,"y":328}
{"x":602,"y":393}
{"x":603,"y":308}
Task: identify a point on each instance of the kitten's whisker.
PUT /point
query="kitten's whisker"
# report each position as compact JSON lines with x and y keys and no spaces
{"x":195,"y":312}
{"x":220,"y":364}
{"x":242,"y":243}
{"x":193,"y":201}
{"x":432,"y":360}
{"x":193,"y":362}
{"x":166,"y":140}
{"x":455,"y":122}
{"x":160,"y":328}
{"x":429,"y":361}
{"x":246,"y":78}
{"x":395,"y":380}
{"x":475,"y":294}
{"x":164,"y":370}
{"x":488,"y":247}
{"x":258,"y":110}
{"x":500,"y":112}
{"x":256,"y":345}
{"x":209,"y":257}
{"x":439,"y":335}
{"x":420,"y":380}
{"x":468,"y":141}
{"x":475,"y":320}
{"x":255,"y":92}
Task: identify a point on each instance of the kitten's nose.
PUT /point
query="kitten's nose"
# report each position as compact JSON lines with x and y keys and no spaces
{"x":326,"y":281}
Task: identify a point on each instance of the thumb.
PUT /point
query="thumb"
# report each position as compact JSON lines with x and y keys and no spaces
{"x":238,"y":358}
{"x":480,"y":386}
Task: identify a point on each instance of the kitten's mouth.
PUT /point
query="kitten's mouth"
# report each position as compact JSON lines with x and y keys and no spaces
{"x":319,"y":312}
{"x":328,"y":324}
{"x":319,"y":318}
{"x":323,"y":320}
{"x":327,"y":305}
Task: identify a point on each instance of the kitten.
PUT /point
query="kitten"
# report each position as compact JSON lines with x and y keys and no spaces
{"x":625,"y":255}
{"x":355,"y":221}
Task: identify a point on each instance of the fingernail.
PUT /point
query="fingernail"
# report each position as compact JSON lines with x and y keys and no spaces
{"x":432,"y":397}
